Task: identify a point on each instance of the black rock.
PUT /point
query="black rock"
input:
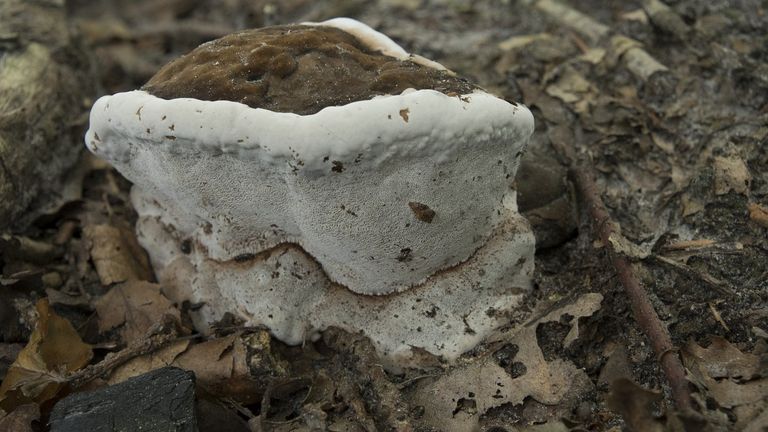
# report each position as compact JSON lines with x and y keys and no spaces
{"x":158,"y":401}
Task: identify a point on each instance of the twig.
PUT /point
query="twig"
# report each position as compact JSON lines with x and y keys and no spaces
{"x":705,"y":277}
{"x":582,"y":173}
{"x":158,"y":337}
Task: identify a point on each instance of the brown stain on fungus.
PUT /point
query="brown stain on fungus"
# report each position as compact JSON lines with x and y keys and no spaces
{"x":404,"y":114}
{"x":422,"y":211}
{"x":337,"y":166}
{"x":294,"y":68}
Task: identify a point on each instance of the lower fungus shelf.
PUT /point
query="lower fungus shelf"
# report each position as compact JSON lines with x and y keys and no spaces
{"x":288,"y":292}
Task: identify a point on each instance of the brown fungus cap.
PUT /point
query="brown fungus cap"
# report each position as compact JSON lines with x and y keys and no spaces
{"x":295,"y":68}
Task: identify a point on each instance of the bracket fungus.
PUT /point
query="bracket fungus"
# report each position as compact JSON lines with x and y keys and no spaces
{"x":317,"y":175}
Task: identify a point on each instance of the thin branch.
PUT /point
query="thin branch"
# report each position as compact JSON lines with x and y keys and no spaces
{"x":158,"y":337}
{"x":582,"y":173}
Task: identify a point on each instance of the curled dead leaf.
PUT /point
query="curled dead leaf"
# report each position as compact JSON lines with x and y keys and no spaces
{"x":40,"y":371}
{"x":758,"y":214}
{"x":134,"y":307}
{"x":458,"y":399}
{"x":117,"y":255}
{"x":636,"y":405}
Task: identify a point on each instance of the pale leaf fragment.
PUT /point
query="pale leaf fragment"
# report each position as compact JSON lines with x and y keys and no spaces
{"x":116,"y":254}
{"x":134,"y":307}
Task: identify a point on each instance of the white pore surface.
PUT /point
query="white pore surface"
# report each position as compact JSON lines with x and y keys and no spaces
{"x":239,"y":180}
{"x":286,"y":290}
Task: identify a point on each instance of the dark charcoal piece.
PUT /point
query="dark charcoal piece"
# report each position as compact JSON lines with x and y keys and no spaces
{"x":158,"y":401}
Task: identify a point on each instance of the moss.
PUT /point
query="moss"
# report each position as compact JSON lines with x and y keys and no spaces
{"x":299,"y":69}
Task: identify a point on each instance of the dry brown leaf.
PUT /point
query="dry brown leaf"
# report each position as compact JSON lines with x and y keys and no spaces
{"x":116,"y":254}
{"x":235,"y":366}
{"x":617,"y":367}
{"x":143,"y":364}
{"x":21,"y":419}
{"x":754,"y":420}
{"x":225,"y":365}
{"x":691,"y":205}
{"x":758,"y":214}
{"x":40,"y":370}
{"x":134,"y":307}
{"x":723,"y":360}
{"x":572,"y":88}
{"x":635,"y":404}
{"x":733,"y":379}
{"x":584,"y":306}
{"x":458,"y":399}
{"x":731,"y":174}
{"x":731,"y":394}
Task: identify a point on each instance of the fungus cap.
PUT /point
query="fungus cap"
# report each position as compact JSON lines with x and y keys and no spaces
{"x":340,"y":182}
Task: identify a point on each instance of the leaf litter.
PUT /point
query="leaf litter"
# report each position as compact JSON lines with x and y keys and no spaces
{"x":678,"y":139}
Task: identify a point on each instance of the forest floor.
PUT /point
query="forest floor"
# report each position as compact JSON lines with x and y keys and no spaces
{"x":669,"y":106}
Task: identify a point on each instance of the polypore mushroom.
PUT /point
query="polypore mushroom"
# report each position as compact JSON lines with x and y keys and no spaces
{"x":290,"y":173}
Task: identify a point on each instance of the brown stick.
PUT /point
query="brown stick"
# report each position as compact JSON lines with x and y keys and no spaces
{"x":582,"y":173}
{"x":158,"y":337}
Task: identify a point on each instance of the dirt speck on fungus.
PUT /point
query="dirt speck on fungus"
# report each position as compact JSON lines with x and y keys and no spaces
{"x":422,"y":211}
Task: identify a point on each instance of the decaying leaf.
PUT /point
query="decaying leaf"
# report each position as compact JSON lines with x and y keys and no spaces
{"x":758,"y":214}
{"x":617,"y":367}
{"x":21,"y":419}
{"x":635,"y":404}
{"x":625,"y":247}
{"x":734,"y":380}
{"x":723,"y":360}
{"x":236,"y":366}
{"x":731,"y":174}
{"x":116,"y":254}
{"x":143,"y":364}
{"x":457,"y":400}
{"x":571,"y":87}
{"x":134,"y":307}
{"x":40,"y":370}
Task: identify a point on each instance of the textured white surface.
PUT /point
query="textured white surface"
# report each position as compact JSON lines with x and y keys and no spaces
{"x":274,"y":210}
{"x":285,"y":290}
{"x":241,"y":180}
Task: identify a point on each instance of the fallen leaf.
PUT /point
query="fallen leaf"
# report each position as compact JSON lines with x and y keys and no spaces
{"x":40,"y":370}
{"x":636,"y":405}
{"x":731,"y":174}
{"x":734,"y":380}
{"x":571,"y":87}
{"x":723,"y":360}
{"x":117,"y":255}
{"x":731,"y":394}
{"x":691,"y":205}
{"x":21,"y":419}
{"x":134,"y":307}
{"x":516,"y":42}
{"x":617,"y":367}
{"x":625,"y":247}
{"x":236,"y":365}
{"x":758,"y":214}
{"x":143,"y":364}
{"x":458,"y":399}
